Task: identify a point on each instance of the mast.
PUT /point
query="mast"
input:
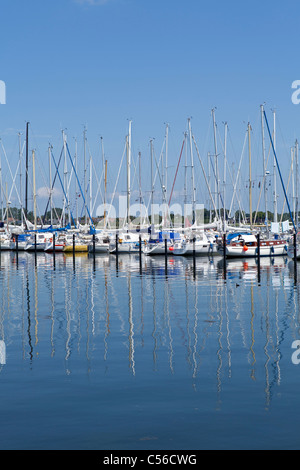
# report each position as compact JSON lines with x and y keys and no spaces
{"x":225,"y":163}
{"x":264,"y":166}
{"x":128,"y":171}
{"x":293,"y":180}
{"x":217,"y":202}
{"x":140,"y":187}
{"x":84,"y":162}
{"x":66,"y":196}
{"x":297,"y":208}
{"x":152,"y":183}
{"x":105,"y":186}
{"x":6,"y":196}
{"x":209,"y":164}
{"x":76,"y":188}
{"x":34,"y":189}
{"x":20,"y":162}
{"x":166,"y":161}
{"x":26,"y":175}
{"x":50,"y":184}
{"x":274,"y":172}
{"x":193,"y":175}
{"x":250,"y":174}
{"x":91,"y":184}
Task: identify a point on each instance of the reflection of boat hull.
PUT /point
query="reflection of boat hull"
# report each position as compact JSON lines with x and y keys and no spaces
{"x":77,"y":248}
{"x":291,"y":251}
{"x":4,"y":245}
{"x":99,"y":248}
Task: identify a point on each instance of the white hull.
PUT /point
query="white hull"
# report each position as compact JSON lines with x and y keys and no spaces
{"x":130,"y":247}
{"x":158,"y":249}
{"x":200,"y":249}
{"x":239,"y":252}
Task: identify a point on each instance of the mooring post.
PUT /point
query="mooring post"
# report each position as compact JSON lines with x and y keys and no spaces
{"x":224,"y":254}
{"x":258,"y":256}
{"x":94,"y":244}
{"x":140,"y":253}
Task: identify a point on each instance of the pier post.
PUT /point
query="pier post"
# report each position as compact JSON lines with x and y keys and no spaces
{"x":117,"y":253}
{"x":140,"y":253}
{"x":94,"y":244}
{"x":258,"y":256}
{"x":224,"y":254}
{"x":35,"y":242}
{"x":53,"y":251}
{"x":17,"y":248}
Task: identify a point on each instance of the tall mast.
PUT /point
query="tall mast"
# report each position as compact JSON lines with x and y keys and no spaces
{"x":66,"y":196}
{"x":193,"y":174}
{"x":26,"y":174}
{"x":297,"y":203}
{"x":209,"y":165}
{"x":264,"y":166}
{"x":34,"y":189}
{"x":50,"y":184}
{"x":166,"y":161}
{"x":225,"y":163}
{"x":152,"y":182}
{"x":6,"y":195}
{"x":105,"y":186}
{"x":293,"y":180}
{"x":84,"y":170}
{"x":140,"y":187}
{"x":20,"y":163}
{"x":76,"y":188}
{"x":128,"y":171}
{"x":91,"y":184}
{"x":217,"y":202}
{"x":250,"y":174}
{"x":274,"y":172}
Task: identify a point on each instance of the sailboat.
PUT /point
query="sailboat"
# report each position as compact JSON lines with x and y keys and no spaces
{"x":245,"y":244}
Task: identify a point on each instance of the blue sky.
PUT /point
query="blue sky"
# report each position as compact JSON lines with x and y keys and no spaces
{"x":70,"y":63}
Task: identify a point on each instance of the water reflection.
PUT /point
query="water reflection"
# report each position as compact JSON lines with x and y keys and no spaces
{"x":131,"y":316}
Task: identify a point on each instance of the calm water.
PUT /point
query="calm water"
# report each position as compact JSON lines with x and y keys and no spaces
{"x":100,"y":356}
